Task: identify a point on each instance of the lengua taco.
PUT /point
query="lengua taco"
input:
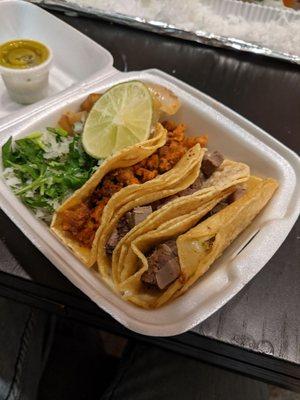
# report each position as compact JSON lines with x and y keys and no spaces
{"x":159,"y":167}
{"x":163,"y":256}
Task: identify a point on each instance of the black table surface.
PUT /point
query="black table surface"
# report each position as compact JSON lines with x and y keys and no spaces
{"x":258,"y":332}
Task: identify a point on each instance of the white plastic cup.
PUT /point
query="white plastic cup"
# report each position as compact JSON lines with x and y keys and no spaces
{"x":26,"y":86}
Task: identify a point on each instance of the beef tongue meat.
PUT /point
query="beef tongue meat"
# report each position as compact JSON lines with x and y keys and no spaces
{"x":139,"y":214}
{"x":125,"y":224}
{"x":218,"y":207}
{"x":112,"y":242}
{"x":163,"y":266}
{"x":211,"y":162}
{"x":237,"y":194}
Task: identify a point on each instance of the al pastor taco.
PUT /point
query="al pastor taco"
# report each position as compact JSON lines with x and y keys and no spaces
{"x":159,"y":167}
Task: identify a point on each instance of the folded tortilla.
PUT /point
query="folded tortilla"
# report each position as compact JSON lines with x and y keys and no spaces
{"x":181,"y":176}
{"x":124,"y":158}
{"x":198,"y":246}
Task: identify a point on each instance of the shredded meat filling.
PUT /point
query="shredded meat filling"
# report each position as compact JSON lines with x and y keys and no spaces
{"x":82,"y":222}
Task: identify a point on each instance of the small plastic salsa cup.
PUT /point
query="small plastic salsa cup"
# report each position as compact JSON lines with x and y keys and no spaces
{"x":24,"y":66}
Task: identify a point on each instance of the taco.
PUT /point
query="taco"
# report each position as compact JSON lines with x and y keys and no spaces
{"x":159,"y":167}
{"x":162,"y":257}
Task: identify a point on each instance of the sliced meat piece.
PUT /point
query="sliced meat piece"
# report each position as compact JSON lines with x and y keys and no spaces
{"x":140,"y":214}
{"x":149,"y":276}
{"x":125,"y":224}
{"x":163,"y":266}
{"x":172,"y":246}
{"x":166,"y":275}
{"x":239,"y":192}
{"x":211,"y":162}
{"x":112,"y":242}
{"x":164,"y":253}
{"x":220,"y":206}
{"x":198,"y":182}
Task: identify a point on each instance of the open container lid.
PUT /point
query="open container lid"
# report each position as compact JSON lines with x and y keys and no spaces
{"x":75,"y":56}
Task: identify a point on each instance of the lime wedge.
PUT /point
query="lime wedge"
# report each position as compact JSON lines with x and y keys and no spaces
{"x":121,"y":117}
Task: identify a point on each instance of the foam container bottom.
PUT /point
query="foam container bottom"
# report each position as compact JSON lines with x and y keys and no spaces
{"x":238,"y":139}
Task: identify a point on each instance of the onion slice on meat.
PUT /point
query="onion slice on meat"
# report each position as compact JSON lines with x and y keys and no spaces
{"x":165,"y":99}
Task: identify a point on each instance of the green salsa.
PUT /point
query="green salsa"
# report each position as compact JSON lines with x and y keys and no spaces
{"x":21,"y":54}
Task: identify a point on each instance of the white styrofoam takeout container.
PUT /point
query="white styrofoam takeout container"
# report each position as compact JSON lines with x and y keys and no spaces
{"x":238,"y":139}
{"x":76,"y":57}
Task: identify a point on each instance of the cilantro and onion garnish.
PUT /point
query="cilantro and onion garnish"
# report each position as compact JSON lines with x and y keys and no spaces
{"x":45,"y":168}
